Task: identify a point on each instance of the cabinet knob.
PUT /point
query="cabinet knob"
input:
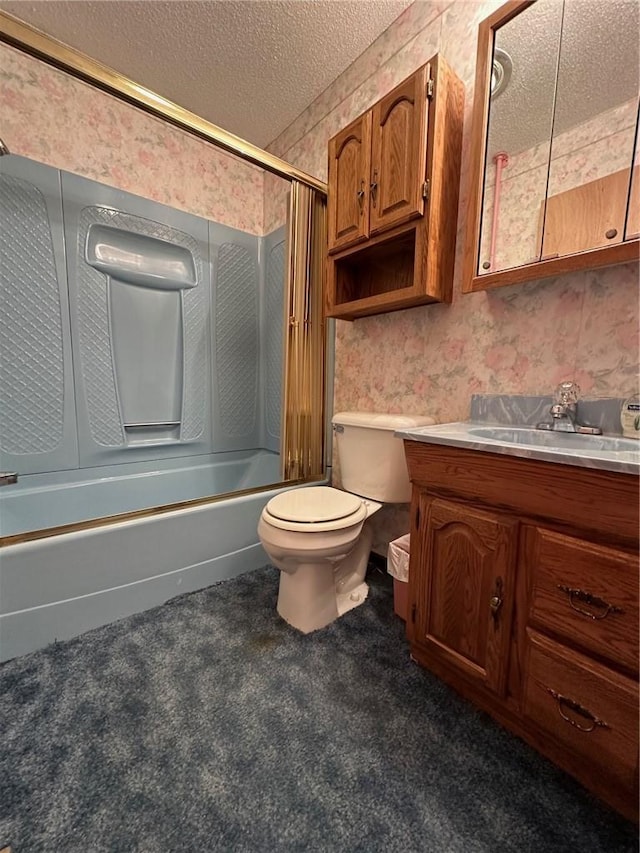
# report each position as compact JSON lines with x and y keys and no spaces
{"x":495,"y":602}
{"x":611,"y":233}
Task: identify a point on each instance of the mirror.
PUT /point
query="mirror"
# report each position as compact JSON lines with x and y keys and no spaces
{"x":594,"y":126}
{"x":555,"y":127}
{"x":519,"y":136}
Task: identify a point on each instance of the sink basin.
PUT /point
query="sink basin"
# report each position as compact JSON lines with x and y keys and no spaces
{"x":560,"y":440}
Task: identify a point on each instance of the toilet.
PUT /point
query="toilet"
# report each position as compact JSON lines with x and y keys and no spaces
{"x":320,"y":537}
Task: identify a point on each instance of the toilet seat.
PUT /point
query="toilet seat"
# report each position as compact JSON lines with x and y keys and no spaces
{"x":314,"y":508}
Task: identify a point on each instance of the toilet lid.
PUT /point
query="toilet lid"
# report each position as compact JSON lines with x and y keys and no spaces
{"x":313,"y":504}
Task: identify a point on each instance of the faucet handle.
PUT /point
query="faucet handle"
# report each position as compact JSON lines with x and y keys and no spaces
{"x":567,"y":393}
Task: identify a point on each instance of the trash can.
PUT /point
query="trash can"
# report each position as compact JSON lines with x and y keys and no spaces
{"x":398,"y":568}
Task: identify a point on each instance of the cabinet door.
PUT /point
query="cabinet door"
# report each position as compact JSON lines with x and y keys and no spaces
{"x":399,"y":153}
{"x":587,"y":216}
{"x":464,"y":593}
{"x":348,"y":195}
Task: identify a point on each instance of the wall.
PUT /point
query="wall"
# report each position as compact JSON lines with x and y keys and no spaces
{"x":517,"y":340}
{"x":50,"y":117}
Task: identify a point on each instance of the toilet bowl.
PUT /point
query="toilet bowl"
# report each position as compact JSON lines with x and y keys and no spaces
{"x":320,"y":537}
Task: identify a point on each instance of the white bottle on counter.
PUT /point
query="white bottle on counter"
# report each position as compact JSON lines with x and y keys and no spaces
{"x":630,"y":417}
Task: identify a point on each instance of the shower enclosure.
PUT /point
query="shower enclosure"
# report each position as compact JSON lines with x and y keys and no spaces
{"x":141,"y":351}
{"x":162,"y":374}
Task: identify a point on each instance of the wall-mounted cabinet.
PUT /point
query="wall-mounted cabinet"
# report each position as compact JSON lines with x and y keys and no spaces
{"x":393,"y":198}
{"x":554,"y":175}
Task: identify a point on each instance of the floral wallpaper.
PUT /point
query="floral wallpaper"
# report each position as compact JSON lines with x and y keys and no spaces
{"x":55,"y":119}
{"x":516,"y":340}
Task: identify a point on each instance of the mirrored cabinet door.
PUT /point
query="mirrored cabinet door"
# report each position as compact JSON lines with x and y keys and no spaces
{"x":594,"y":125}
{"x":521,"y":104}
{"x":632,"y":228}
{"x":555,"y":183}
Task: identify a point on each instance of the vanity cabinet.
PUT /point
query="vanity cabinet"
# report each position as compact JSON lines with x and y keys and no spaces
{"x":469,"y":559}
{"x":393,"y":198}
{"x":523,"y":595}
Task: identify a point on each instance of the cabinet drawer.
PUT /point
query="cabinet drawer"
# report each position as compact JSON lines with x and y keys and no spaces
{"x":585,"y":593}
{"x":587,"y":708}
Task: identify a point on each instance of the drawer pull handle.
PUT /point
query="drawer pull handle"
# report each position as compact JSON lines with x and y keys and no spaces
{"x":565,"y":702}
{"x":580,"y":595}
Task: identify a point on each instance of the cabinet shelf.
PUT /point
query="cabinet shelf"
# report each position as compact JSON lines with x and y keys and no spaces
{"x":393,"y":198}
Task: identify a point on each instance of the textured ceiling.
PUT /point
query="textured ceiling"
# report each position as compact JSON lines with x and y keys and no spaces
{"x":598,"y":65}
{"x":249,"y":66}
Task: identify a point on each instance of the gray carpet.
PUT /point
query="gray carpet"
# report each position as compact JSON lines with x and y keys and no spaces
{"x":208,"y":724}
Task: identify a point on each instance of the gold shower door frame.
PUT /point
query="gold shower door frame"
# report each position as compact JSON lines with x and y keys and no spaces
{"x":302,"y":420}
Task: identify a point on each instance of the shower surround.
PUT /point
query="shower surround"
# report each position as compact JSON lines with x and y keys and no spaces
{"x":140,"y":366}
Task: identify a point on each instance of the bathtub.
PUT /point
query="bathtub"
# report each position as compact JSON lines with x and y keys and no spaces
{"x":56,"y":587}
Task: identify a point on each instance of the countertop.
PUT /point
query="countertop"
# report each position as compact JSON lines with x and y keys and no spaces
{"x":583,"y":451}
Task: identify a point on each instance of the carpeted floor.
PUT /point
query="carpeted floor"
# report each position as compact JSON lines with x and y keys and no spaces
{"x":208,"y":724}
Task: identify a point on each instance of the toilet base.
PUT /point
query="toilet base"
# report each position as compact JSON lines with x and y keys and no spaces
{"x":347,"y":601}
{"x":307,"y":598}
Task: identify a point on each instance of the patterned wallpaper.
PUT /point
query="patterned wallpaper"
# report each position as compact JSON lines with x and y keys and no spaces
{"x":52,"y":118}
{"x":516,"y":340}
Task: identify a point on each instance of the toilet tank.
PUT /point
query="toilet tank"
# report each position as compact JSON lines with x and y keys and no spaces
{"x":372,"y":461}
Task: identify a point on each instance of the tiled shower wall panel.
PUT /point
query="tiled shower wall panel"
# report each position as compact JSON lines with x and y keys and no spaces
{"x":37,"y":414}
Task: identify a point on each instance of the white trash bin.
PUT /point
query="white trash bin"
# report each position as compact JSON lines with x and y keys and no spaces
{"x":398,"y":568}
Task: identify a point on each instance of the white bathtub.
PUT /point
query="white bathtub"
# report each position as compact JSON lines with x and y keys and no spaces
{"x":59,"y":586}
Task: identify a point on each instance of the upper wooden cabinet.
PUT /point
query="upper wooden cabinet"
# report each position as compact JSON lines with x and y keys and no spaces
{"x":349,"y":177}
{"x":393,"y":198}
{"x":554,"y":142}
{"x":377,"y":165}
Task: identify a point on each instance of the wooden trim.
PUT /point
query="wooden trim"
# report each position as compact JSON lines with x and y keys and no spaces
{"x":603,"y":503}
{"x":472,"y":282}
{"x":444,"y":147}
{"x":606,"y":256}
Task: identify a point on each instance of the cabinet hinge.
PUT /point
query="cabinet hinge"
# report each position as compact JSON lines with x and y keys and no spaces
{"x":430,"y":88}
{"x":426,"y":187}
{"x":413,"y":612}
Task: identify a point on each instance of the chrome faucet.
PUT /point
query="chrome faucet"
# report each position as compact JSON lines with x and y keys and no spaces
{"x":564,"y":412}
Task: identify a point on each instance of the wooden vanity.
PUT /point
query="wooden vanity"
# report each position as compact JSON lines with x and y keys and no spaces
{"x":523,"y":596}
